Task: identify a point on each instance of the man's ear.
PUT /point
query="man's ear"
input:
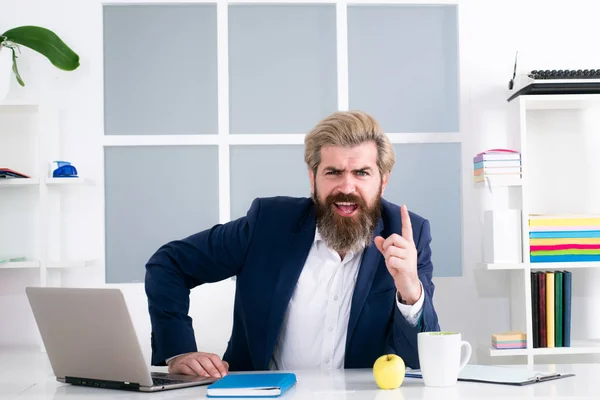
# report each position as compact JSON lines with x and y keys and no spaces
{"x":384,"y":180}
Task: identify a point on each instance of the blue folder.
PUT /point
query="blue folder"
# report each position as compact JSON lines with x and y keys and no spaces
{"x":566,"y":258}
{"x":252,"y":385}
{"x":564,"y":234}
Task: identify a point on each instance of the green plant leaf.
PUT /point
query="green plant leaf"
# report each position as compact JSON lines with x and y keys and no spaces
{"x":15,"y":69}
{"x":45,"y":42}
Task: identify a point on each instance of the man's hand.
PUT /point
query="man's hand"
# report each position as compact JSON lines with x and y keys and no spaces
{"x":400,"y":255}
{"x":201,"y":364}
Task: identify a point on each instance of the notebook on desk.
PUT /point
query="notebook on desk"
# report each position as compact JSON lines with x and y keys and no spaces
{"x":500,"y":375}
{"x":252,"y":385}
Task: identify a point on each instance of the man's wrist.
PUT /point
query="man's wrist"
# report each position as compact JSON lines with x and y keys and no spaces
{"x":410,"y":298}
{"x":411,"y":312}
{"x":168,"y":360}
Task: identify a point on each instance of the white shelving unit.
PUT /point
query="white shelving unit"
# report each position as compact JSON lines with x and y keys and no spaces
{"x":45,"y":148}
{"x":555,"y":135}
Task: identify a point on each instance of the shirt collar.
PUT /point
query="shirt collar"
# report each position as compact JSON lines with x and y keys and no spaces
{"x":317,"y":235}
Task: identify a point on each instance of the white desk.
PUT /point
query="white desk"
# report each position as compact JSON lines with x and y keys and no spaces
{"x":27,"y":375}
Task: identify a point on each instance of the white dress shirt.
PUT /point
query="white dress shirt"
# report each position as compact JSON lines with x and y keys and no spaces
{"x":313,"y":333}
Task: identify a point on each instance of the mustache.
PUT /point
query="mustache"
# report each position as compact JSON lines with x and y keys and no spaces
{"x":344,"y":198}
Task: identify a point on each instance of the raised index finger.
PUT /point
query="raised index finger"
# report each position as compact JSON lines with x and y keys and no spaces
{"x":407,"y":232}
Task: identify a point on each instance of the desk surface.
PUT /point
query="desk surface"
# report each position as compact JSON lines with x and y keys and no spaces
{"x":28,"y":375}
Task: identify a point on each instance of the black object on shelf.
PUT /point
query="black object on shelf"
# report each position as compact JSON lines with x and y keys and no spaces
{"x":551,"y":86}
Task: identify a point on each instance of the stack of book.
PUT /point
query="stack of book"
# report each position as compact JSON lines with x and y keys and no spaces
{"x":551,"y":308}
{"x":509,"y":340}
{"x":497,"y":167}
{"x":564,"y":237}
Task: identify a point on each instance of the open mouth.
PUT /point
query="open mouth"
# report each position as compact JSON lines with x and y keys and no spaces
{"x":346,"y":208}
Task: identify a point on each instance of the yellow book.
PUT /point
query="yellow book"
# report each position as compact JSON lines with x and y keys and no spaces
{"x":511,"y":336}
{"x":549,"y":309}
{"x":565,"y":222}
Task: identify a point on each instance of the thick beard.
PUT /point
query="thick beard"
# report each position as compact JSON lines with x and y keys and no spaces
{"x":345,"y":234}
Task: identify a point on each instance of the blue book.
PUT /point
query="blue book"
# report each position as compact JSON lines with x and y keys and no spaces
{"x":564,"y":234}
{"x":252,"y":385}
{"x":566,"y":258}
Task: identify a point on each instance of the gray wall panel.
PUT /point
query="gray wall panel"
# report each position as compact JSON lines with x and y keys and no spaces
{"x":282,"y":66}
{"x":264,"y":171}
{"x":160,"y":69}
{"x":403,"y":66}
{"x":155,"y":195}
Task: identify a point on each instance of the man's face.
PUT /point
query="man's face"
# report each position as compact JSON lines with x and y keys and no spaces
{"x":347,"y":190}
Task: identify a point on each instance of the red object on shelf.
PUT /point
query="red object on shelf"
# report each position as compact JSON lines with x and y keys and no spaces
{"x":10,"y":173}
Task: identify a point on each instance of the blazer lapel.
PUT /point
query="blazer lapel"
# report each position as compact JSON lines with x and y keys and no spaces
{"x":366,"y":273}
{"x":292,"y":262}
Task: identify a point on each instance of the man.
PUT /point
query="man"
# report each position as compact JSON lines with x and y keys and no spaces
{"x":331,"y":281}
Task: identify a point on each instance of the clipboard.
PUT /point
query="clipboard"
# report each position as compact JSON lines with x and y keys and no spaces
{"x":499,"y":375}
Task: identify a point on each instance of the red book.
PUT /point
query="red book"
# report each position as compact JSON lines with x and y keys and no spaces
{"x":10,"y":173}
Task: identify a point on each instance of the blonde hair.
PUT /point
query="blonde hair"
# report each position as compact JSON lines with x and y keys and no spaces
{"x":348,"y":129}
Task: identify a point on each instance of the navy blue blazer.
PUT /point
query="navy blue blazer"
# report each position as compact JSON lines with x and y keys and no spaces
{"x":266,"y":251}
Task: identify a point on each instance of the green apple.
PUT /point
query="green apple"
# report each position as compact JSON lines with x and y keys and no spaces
{"x":389,"y":371}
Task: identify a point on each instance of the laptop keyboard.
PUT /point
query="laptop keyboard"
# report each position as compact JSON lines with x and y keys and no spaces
{"x":161,"y":381}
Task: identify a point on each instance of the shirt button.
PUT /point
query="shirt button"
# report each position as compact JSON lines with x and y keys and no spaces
{"x":330,"y":329}
{"x":335,"y":298}
{"x":327,"y":361}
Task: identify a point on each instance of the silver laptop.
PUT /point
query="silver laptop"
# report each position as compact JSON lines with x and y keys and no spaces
{"x":91,"y":341}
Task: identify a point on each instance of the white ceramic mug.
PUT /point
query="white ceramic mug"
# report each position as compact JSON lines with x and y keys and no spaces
{"x":442,"y":356}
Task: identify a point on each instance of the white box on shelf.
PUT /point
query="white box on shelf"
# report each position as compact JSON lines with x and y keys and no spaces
{"x":502,"y":236}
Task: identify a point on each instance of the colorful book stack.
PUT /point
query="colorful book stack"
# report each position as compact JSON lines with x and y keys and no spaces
{"x":564,"y":238}
{"x":551,"y":308}
{"x":497,"y":167}
{"x":509,"y":340}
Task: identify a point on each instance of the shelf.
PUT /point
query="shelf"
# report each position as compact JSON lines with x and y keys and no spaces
{"x":560,"y":101}
{"x":577,"y":347}
{"x":70,"y":264}
{"x":538,"y":266}
{"x":565,"y":265}
{"x":68,"y":181}
{"x":20,"y":264}
{"x":18,"y":103}
{"x":508,"y":352}
{"x":12,"y":182}
{"x":487,"y":184}
{"x":500,"y":266}
{"x":51,"y":264}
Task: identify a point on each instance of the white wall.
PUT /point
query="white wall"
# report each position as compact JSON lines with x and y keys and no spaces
{"x":490,"y":32}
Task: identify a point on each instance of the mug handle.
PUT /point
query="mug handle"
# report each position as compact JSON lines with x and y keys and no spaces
{"x":465,"y":351}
